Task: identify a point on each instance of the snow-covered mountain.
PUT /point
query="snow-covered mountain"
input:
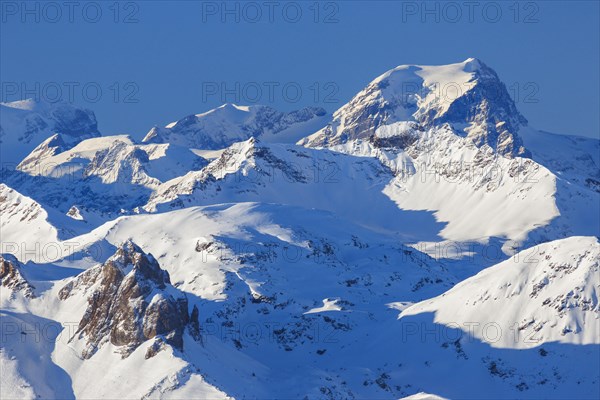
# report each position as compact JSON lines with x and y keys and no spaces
{"x":467,"y":95}
{"x":423,"y":242}
{"x":277,"y":173}
{"x":454,"y":131}
{"x":230,"y":123}
{"x":24,"y":124}
{"x":525,"y":328}
{"x":101,"y":177}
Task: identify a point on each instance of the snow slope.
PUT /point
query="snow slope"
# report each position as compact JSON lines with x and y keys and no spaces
{"x":24,"y":226}
{"x":462,"y":184}
{"x":287,"y":174}
{"x":251,"y":265}
{"x":548,"y":293}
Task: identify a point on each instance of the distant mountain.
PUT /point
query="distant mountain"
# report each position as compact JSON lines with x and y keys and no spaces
{"x":457,"y":145}
{"x":101,"y":175}
{"x":24,"y":124}
{"x":230,"y":123}
{"x":469,"y":96}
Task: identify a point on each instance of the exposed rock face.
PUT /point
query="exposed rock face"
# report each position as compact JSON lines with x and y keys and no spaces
{"x":402,"y":138}
{"x":11,"y":276}
{"x":120,"y":163}
{"x":132,"y":301}
{"x":493,"y":116}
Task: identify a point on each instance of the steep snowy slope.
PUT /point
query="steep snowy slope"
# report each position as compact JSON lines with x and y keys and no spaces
{"x":26,"y":123}
{"x":230,"y":123}
{"x":287,"y":174}
{"x":24,"y":227}
{"x":548,"y":293}
{"x":525,"y":328}
{"x":575,"y":162}
{"x":462,"y":184}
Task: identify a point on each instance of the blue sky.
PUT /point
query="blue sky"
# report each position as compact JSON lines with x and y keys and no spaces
{"x":145,"y":63}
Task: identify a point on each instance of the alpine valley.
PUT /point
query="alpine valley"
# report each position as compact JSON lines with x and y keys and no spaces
{"x":423,"y":242}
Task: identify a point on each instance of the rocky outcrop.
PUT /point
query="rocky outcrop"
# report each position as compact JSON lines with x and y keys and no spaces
{"x":400,"y":137}
{"x":131,"y":301}
{"x":48,"y":148}
{"x":12,"y":278}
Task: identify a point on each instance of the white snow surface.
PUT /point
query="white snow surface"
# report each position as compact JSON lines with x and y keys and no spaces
{"x":548,"y":293}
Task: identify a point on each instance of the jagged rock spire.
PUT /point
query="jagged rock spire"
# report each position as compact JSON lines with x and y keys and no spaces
{"x":132,"y":301}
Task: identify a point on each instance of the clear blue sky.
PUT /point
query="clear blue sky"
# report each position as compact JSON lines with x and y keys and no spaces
{"x":173,"y":58}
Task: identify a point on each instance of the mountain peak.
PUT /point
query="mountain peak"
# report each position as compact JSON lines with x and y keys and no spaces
{"x":26,"y":123}
{"x":129,"y":257}
{"x":229,"y":123}
{"x":232,"y":106}
{"x":472,"y":64}
{"x":132,"y":301}
{"x":468,"y":96}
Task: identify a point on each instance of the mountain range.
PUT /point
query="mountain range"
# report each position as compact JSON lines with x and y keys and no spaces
{"x":423,"y":242}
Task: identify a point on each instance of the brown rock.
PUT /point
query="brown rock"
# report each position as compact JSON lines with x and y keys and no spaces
{"x":11,"y":276}
{"x":132,"y":301}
